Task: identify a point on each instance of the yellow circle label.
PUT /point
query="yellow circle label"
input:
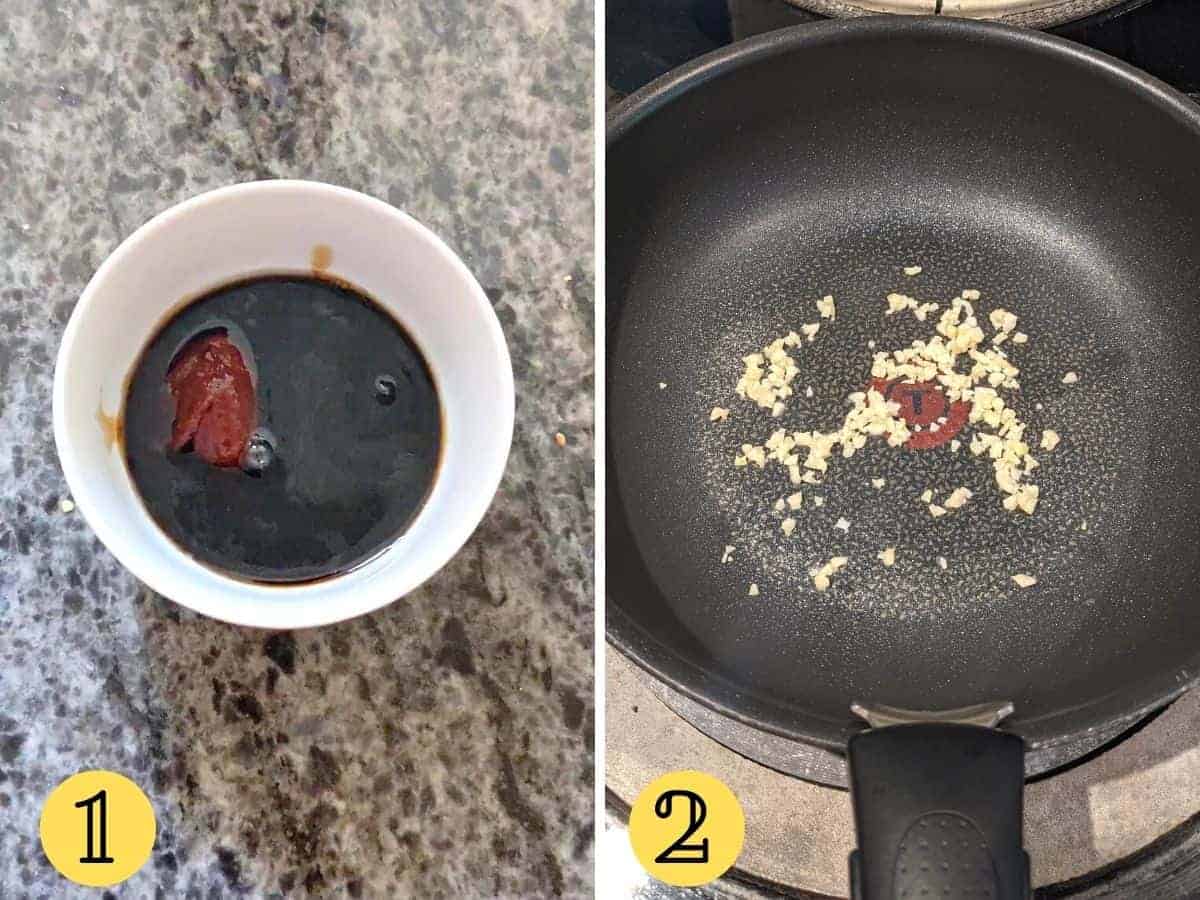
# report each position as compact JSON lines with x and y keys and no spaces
{"x":97,"y":828}
{"x":686,"y":828}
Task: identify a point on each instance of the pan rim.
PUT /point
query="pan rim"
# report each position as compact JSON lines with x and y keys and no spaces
{"x":684,"y":675}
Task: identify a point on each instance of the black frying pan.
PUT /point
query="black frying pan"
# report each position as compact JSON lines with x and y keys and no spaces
{"x":1063,"y":185}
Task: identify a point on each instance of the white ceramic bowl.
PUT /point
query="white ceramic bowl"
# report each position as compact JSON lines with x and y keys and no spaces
{"x":273,"y":227}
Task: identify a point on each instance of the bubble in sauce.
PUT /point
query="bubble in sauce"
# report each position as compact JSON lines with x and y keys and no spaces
{"x":385,"y":390}
{"x":259,"y":453}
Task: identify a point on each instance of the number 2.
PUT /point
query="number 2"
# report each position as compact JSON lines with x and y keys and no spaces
{"x":100,"y":801}
{"x":679,"y":851}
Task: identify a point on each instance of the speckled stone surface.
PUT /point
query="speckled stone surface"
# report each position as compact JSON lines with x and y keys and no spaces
{"x":440,"y":747}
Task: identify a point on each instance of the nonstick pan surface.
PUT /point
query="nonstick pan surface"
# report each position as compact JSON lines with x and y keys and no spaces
{"x":820,"y":160}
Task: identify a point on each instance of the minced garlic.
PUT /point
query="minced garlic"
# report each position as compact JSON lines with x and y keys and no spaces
{"x":959,"y":358}
{"x":756,"y":455}
{"x":912,"y":270}
{"x":1024,"y":581}
{"x":923,"y":310}
{"x":958,"y":498}
{"x":820,"y":576}
{"x":1025,"y":499}
{"x":887,"y":556}
{"x":1002,"y":320}
{"x":771,"y":385}
{"x":899,"y":302}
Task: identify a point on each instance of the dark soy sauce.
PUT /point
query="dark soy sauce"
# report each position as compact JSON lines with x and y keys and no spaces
{"x":347,"y":441}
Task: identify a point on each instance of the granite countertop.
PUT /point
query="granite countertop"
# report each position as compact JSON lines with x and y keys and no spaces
{"x":441,"y":747}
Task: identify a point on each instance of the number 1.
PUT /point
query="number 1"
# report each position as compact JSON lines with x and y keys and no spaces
{"x":99,"y":800}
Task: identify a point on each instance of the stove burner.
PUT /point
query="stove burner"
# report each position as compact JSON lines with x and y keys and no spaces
{"x":1113,"y":820}
{"x":933,"y":420}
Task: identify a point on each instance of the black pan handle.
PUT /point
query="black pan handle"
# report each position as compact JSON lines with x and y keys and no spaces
{"x":937,"y":809}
